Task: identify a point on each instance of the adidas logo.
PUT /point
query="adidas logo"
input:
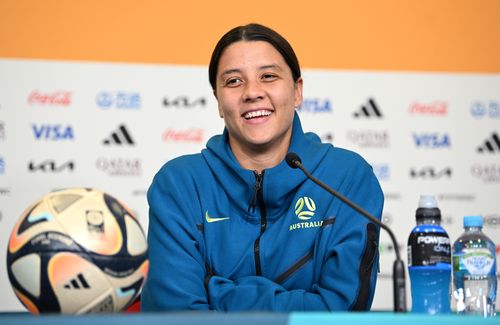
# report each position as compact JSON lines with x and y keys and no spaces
{"x":77,"y":283}
{"x":491,"y":144}
{"x":369,"y":110}
{"x":119,"y":137}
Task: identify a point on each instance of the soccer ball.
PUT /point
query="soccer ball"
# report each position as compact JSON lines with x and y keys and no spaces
{"x":77,"y":251}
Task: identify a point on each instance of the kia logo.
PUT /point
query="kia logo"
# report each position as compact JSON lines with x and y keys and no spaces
{"x":51,"y":166}
{"x":184,"y":102}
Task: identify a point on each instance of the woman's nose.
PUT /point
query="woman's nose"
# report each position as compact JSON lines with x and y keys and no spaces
{"x":253,"y":91}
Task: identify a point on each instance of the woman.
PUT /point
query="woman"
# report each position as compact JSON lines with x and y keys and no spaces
{"x":234,"y":228}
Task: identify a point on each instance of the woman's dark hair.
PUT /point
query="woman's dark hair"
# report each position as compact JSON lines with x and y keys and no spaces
{"x":253,"y":32}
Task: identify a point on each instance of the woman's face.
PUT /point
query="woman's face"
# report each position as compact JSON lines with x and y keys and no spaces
{"x":257,"y":96}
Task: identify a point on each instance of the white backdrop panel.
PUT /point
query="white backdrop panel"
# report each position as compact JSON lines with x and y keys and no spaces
{"x":422,"y":132}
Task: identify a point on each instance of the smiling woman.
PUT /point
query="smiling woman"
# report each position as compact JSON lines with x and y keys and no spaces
{"x":245,"y":231}
{"x":257,"y":97}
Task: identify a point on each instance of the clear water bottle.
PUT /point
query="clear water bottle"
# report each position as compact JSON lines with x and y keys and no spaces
{"x":429,"y":260}
{"x":474,"y":270}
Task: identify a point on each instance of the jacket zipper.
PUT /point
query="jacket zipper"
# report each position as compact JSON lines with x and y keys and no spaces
{"x":258,"y":197}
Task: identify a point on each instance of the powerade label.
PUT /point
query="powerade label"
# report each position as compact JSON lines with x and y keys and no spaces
{"x":427,"y":248}
{"x":477,"y":261}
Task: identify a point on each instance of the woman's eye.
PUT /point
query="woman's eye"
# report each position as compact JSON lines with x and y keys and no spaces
{"x":268,"y":77}
{"x":233,"y":82}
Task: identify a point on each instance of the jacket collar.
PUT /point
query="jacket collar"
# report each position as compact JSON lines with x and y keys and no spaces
{"x":280,"y":182}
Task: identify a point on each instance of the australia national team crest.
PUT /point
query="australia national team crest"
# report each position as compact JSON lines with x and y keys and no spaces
{"x":305,"y":209}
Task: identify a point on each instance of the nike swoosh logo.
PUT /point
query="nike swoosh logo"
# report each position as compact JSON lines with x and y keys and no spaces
{"x":214,"y":219}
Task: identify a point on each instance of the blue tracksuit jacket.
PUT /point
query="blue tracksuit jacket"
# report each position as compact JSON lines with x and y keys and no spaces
{"x":224,"y":238}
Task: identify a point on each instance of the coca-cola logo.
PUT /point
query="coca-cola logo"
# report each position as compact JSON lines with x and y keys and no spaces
{"x":189,"y":135}
{"x":58,"y":97}
{"x":436,"y":108}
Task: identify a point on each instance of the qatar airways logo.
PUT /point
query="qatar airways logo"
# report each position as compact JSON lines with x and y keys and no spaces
{"x":436,"y":108}
{"x":54,"y":98}
{"x":119,"y":166}
{"x":194,"y":135}
{"x":369,"y":138}
{"x":488,"y":173}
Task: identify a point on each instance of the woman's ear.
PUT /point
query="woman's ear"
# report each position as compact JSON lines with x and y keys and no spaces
{"x":298,"y":92}
{"x":220,"y":110}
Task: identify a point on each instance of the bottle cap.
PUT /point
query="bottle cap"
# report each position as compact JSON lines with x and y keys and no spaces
{"x":428,"y":208}
{"x":473,"y":221}
{"x":427,"y":201}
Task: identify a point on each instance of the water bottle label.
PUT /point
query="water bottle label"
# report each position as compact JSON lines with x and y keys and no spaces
{"x":478,"y":261}
{"x":428,"y":249}
{"x":473,"y":298}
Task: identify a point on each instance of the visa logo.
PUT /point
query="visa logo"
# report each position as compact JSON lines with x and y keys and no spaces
{"x":432,"y":140}
{"x":315,"y":105}
{"x":54,"y":132}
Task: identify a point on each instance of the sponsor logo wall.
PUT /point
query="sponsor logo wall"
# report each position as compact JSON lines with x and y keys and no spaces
{"x":113,"y":126}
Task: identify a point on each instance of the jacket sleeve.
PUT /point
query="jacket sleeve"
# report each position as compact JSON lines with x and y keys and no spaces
{"x":177,"y":270}
{"x":347,"y":274}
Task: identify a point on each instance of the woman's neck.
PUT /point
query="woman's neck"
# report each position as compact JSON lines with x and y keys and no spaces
{"x":260,"y":158}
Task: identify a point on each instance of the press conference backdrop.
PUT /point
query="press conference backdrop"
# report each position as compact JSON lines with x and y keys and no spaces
{"x":112,"y":125}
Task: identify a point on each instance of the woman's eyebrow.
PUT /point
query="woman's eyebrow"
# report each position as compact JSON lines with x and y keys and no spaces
{"x":270,"y":66}
{"x":264,"y":67}
{"x":230,"y":71}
